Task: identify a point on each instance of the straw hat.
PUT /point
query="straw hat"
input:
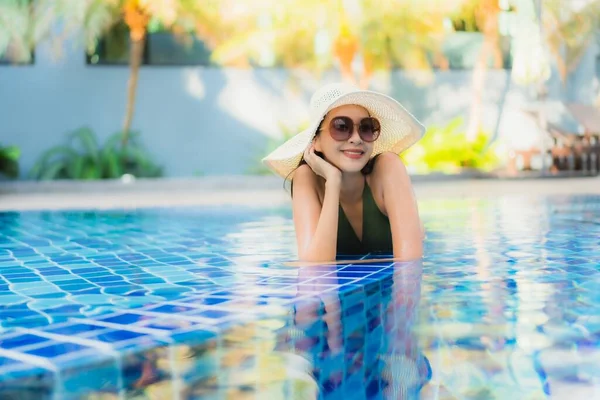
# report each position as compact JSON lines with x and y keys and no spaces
{"x":399,"y":128}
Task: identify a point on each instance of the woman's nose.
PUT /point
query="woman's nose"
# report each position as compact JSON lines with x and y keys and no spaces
{"x":355,"y":138}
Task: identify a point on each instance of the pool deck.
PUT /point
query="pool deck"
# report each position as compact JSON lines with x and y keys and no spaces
{"x":252,"y":191}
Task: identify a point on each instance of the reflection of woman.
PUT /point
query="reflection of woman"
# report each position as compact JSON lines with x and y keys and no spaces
{"x":324,"y":308}
{"x":406,"y":369}
{"x":363,"y":338}
{"x":351,"y":191}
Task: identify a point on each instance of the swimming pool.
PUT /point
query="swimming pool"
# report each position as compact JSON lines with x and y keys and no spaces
{"x":200,"y":304}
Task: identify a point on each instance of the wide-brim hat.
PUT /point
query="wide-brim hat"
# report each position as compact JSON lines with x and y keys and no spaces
{"x":399,"y":128}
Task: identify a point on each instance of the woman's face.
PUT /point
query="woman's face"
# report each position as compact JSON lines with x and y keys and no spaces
{"x":350,"y":155}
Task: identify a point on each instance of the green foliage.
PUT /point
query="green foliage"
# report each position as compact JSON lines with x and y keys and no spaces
{"x":15,"y":30}
{"x":83,"y":158}
{"x":447,"y":149}
{"x":9,"y":161}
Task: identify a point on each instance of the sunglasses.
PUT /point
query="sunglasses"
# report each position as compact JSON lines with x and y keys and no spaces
{"x":341,"y":129}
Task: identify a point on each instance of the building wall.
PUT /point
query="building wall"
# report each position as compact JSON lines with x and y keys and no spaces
{"x":198,"y":120}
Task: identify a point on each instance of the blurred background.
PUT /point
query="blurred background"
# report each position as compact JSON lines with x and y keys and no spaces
{"x":98,"y":89}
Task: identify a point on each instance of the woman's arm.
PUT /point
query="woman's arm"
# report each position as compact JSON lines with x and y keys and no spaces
{"x":315,"y":223}
{"x":401,"y":206}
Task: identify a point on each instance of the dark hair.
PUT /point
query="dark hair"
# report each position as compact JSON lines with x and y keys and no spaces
{"x":367,"y":169}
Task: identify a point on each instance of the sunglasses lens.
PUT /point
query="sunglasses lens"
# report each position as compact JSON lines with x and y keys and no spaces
{"x":369,"y":129}
{"x":341,"y":128}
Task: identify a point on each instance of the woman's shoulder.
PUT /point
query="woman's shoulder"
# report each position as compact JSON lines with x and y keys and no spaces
{"x":388,"y":165}
{"x":304,"y":177}
{"x":388,"y":168}
{"x":304,"y":173}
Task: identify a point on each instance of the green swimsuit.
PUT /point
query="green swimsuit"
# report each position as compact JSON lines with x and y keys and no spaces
{"x":376,"y":230}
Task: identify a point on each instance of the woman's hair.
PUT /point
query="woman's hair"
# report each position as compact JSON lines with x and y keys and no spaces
{"x":367,"y":169}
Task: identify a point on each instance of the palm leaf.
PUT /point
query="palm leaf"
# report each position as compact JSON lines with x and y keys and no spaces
{"x":75,"y":167}
{"x":113,"y":142}
{"x":99,"y":17}
{"x":88,"y":141}
{"x":90,"y":170}
{"x":9,"y":161}
{"x":111,"y":164}
{"x":53,"y":171}
{"x":11,"y":153}
{"x":139,"y":163}
{"x":60,"y":152}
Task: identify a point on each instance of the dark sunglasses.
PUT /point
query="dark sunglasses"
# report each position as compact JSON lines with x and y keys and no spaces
{"x":341,"y":129}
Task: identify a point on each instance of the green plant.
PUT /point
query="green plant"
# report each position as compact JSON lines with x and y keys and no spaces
{"x":447,"y":149}
{"x":9,"y":161}
{"x":83,"y":158}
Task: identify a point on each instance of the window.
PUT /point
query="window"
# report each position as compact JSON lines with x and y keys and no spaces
{"x":161,"y":48}
{"x":462,"y":48}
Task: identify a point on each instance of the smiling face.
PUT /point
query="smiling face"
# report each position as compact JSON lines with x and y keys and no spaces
{"x":350,"y":155}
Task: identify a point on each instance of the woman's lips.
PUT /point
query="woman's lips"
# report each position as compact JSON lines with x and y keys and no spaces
{"x":354,"y":154}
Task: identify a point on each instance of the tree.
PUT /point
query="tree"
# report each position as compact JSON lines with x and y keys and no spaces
{"x":21,"y":26}
{"x":90,"y":20}
{"x":317,"y":35}
{"x":570,"y":28}
{"x":395,"y":36}
{"x":482,"y":16}
{"x":14,"y":29}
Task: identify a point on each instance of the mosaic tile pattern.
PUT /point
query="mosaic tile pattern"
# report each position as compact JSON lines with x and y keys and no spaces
{"x":190,"y":304}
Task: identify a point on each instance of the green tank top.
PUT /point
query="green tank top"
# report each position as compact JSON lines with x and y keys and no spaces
{"x":376,"y":230}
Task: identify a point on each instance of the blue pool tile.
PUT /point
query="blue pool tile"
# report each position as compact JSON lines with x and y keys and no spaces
{"x":167,"y":324}
{"x":73,"y":329}
{"x":84,"y":290}
{"x":224,"y":294}
{"x":66,"y":309}
{"x":81,"y":271}
{"x":125,"y":318}
{"x":71,"y":283}
{"x":353,"y":274}
{"x":56,"y":350}
{"x":169,"y":308}
{"x":363,"y":268}
{"x":114,"y":336}
{"x":16,"y":314}
{"x":209,"y":300}
{"x":26,"y":280}
{"x":12,"y":342}
{"x":196,"y":336}
{"x":105,"y":278}
{"x":212,"y":314}
{"x":5,"y":362}
{"x":148,"y":281}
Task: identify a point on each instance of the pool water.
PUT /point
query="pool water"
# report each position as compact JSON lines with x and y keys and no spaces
{"x":202,"y":304}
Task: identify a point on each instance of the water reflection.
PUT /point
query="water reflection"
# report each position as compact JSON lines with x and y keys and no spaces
{"x":353,"y":341}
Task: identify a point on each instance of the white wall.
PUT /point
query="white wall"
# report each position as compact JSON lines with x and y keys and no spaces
{"x":217,"y":121}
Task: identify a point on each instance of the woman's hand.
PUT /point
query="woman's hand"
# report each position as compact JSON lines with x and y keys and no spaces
{"x":320,"y":166}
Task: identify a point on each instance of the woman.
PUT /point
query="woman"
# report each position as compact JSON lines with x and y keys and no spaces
{"x":351,"y":192}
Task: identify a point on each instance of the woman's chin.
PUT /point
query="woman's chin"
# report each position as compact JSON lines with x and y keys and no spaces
{"x":351,"y":167}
